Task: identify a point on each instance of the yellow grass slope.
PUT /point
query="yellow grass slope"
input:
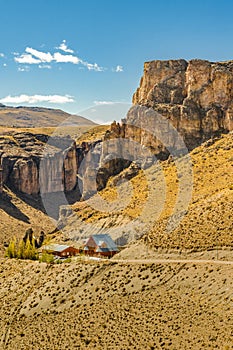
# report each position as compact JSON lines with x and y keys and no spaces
{"x":208,"y":221}
{"x":115,"y":306}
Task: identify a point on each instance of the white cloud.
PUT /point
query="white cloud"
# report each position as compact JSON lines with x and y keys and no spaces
{"x":26,"y":59}
{"x":32,"y":99}
{"x":24,"y":69}
{"x":45,"y":57}
{"x":32,"y":56}
{"x":2,"y":54}
{"x":63,"y":47}
{"x":59,"y":58}
{"x":94,"y":66}
{"x":44,"y":66}
{"x":119,"y":69}
{"x":104,"y":103}
{"x":4,"y":65}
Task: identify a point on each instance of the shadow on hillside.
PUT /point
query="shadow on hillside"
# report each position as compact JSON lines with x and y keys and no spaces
{"x":49,"y":204}
{"x":11,"y":209}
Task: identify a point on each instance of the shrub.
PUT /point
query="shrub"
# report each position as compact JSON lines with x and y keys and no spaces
{"x":47,"y":258}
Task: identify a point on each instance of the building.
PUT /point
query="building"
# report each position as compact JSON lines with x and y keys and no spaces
{"x":100,"y":245}
{"x":63,"y":251}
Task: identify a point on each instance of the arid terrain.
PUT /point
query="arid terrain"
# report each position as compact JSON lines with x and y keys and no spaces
{"x":170,"y":286}
{"x":134,"y":305}
{"x":116,"y":305}
{"x":23,"y":117}
{"x":208,"y":221}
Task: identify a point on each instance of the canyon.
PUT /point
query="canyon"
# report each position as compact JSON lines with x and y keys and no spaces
{"x":32,"y":164}
{"x":177,"y":107}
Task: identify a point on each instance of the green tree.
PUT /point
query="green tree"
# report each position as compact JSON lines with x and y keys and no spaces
{"x":11,"y":251}
{"x":21,"y":250}
{"x":30,"y":251}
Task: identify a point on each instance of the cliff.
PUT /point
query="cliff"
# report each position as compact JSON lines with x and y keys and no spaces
{"x":196,"y":96}
{"x":178,"y":106}
{"x":32,"y":164}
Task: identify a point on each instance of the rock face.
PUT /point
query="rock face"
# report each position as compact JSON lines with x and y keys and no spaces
{"x":32,"y":164}
{"x":177,"y":107}
{"x":196,"y":96}
{"x":24,"y":176}
{"x":97,"y":161}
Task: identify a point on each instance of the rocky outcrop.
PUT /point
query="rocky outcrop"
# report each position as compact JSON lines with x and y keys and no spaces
{"x":97,"y":162}
{"x":178,"y":106}
{"x":34,"y":163}
{"x":195,"y":96}
{"x":24,"y":176}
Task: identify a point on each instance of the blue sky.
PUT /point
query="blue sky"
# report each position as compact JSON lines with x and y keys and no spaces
{"x":104,"y":45}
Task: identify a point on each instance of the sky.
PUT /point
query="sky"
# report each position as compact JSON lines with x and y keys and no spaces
{"x":86,"y":57}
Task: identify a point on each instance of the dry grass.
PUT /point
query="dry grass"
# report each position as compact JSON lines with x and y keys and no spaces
{"x":110,"y":305}
{"x":115,"y":306}
{"x":73,"y":131}
{"x":17,"y":216}
{"x":94,"y":133}
{"x":23,"y":117}
{"x":208,"y":221}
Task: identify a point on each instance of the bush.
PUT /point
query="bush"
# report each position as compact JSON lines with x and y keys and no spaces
{"x":47,"y":258}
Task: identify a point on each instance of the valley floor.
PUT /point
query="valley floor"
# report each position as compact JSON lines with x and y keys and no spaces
{"x":118,"y":305}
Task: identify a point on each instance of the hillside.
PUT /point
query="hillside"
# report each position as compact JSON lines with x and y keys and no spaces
{"x":28,"y":117}
{"x":170,"y":286}
{"x":18,"y":213}
{"x":115,"y":306}
{"x":129,"y":305}
{"x":207,"y":223}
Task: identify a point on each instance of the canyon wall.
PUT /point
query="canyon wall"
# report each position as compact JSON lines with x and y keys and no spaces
{"x":195,"y":96}
{"x":178,"y":106}
{"x":32,"y":163}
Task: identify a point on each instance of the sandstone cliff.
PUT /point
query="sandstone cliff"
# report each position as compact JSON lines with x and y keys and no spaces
{"x":178,"y":106}
{"x":32,"y":164}
{"x":196,"y":96}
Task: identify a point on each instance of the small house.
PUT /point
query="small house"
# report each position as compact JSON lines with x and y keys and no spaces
{"x":63,"y":251}
{"x":100,"y":245}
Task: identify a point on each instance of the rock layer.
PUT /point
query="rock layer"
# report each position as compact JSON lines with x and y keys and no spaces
{"x":179,"y":104}
{"x":33,"y":163}
{"x":195,"y":96}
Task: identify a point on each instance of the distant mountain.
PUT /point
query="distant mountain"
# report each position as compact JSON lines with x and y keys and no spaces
{"x":38,"y":117}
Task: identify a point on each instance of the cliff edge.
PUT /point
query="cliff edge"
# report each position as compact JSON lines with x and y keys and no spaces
{"x":196,"y":96}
